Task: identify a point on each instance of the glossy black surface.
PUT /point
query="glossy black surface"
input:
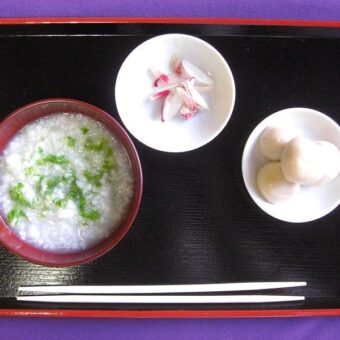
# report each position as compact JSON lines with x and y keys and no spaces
{"x":197,"y":223}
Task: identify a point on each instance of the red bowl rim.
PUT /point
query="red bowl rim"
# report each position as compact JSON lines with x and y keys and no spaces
{"x":107,"y":244}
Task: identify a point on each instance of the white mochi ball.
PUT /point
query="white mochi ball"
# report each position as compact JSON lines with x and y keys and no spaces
{"x":301,"y":161}
{"x":273,"y":185}
{"x":273,"y":140}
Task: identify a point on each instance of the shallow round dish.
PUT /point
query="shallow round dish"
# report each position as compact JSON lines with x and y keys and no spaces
{"x":141,"y":116}
{"x":24,"y":115}
{"x":312,"y":202}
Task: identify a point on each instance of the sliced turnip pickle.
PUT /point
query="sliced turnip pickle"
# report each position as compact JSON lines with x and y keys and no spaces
{"x":176,"y":62}
{"x":195,"y":72}
{"x":188,"y":113}
{"x":160,"y":94}
{"x":180,"y":90}
{"x":172,"y":104}
{"x":161,"y":80}
{"x":187,"y":99}
{"x":195,"y":95}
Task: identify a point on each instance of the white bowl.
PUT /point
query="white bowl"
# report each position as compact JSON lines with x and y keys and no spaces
{"x":141,"y":116}
{"x":312,"y":202}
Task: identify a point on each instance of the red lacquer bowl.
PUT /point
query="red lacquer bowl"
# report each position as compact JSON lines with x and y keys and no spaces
{"x":12,"y":124}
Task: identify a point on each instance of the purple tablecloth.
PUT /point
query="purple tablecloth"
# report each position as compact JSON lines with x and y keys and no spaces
{"x":290,"y":9}
{"x":284,"y":328}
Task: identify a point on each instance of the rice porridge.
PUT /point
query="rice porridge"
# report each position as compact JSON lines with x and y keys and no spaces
{"x":65,"y":183}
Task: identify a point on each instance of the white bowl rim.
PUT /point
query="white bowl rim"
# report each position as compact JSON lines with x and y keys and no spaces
{"x":232,"y":90}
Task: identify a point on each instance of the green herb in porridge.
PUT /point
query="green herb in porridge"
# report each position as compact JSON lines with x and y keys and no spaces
{"x":16,"y":194}
{"x":54,"y":159}
{"x":15,"y":214}
{"x":84,"y":130}
{"x":71,"y":142}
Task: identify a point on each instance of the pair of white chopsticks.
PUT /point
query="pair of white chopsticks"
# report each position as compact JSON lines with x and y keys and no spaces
{"x":99,"y":294}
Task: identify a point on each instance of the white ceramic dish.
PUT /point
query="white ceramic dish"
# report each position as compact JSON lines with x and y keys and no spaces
{"x":312,"y":202}
{"x":141,"y":116}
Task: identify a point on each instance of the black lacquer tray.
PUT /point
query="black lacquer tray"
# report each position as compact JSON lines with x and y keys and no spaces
{"x":197,"y":223}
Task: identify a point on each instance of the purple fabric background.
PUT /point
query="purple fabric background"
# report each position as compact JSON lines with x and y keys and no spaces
{"x":284,"y":328}
{"x":297,"y":9}
{"x":156,"y":329}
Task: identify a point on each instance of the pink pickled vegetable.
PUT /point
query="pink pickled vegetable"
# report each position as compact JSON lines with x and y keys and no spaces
{"x":162,"y":79}
{"x":195,"y":95}
{"x":187,"y":99}
{"x":188,"y":113}
{"x":195,"y":72}
{"x":172,"y":104}
{"x":167,"y":87}
{"x":159,"y":94}
{"x":180,"y":92}
{"x":177,"y":64}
